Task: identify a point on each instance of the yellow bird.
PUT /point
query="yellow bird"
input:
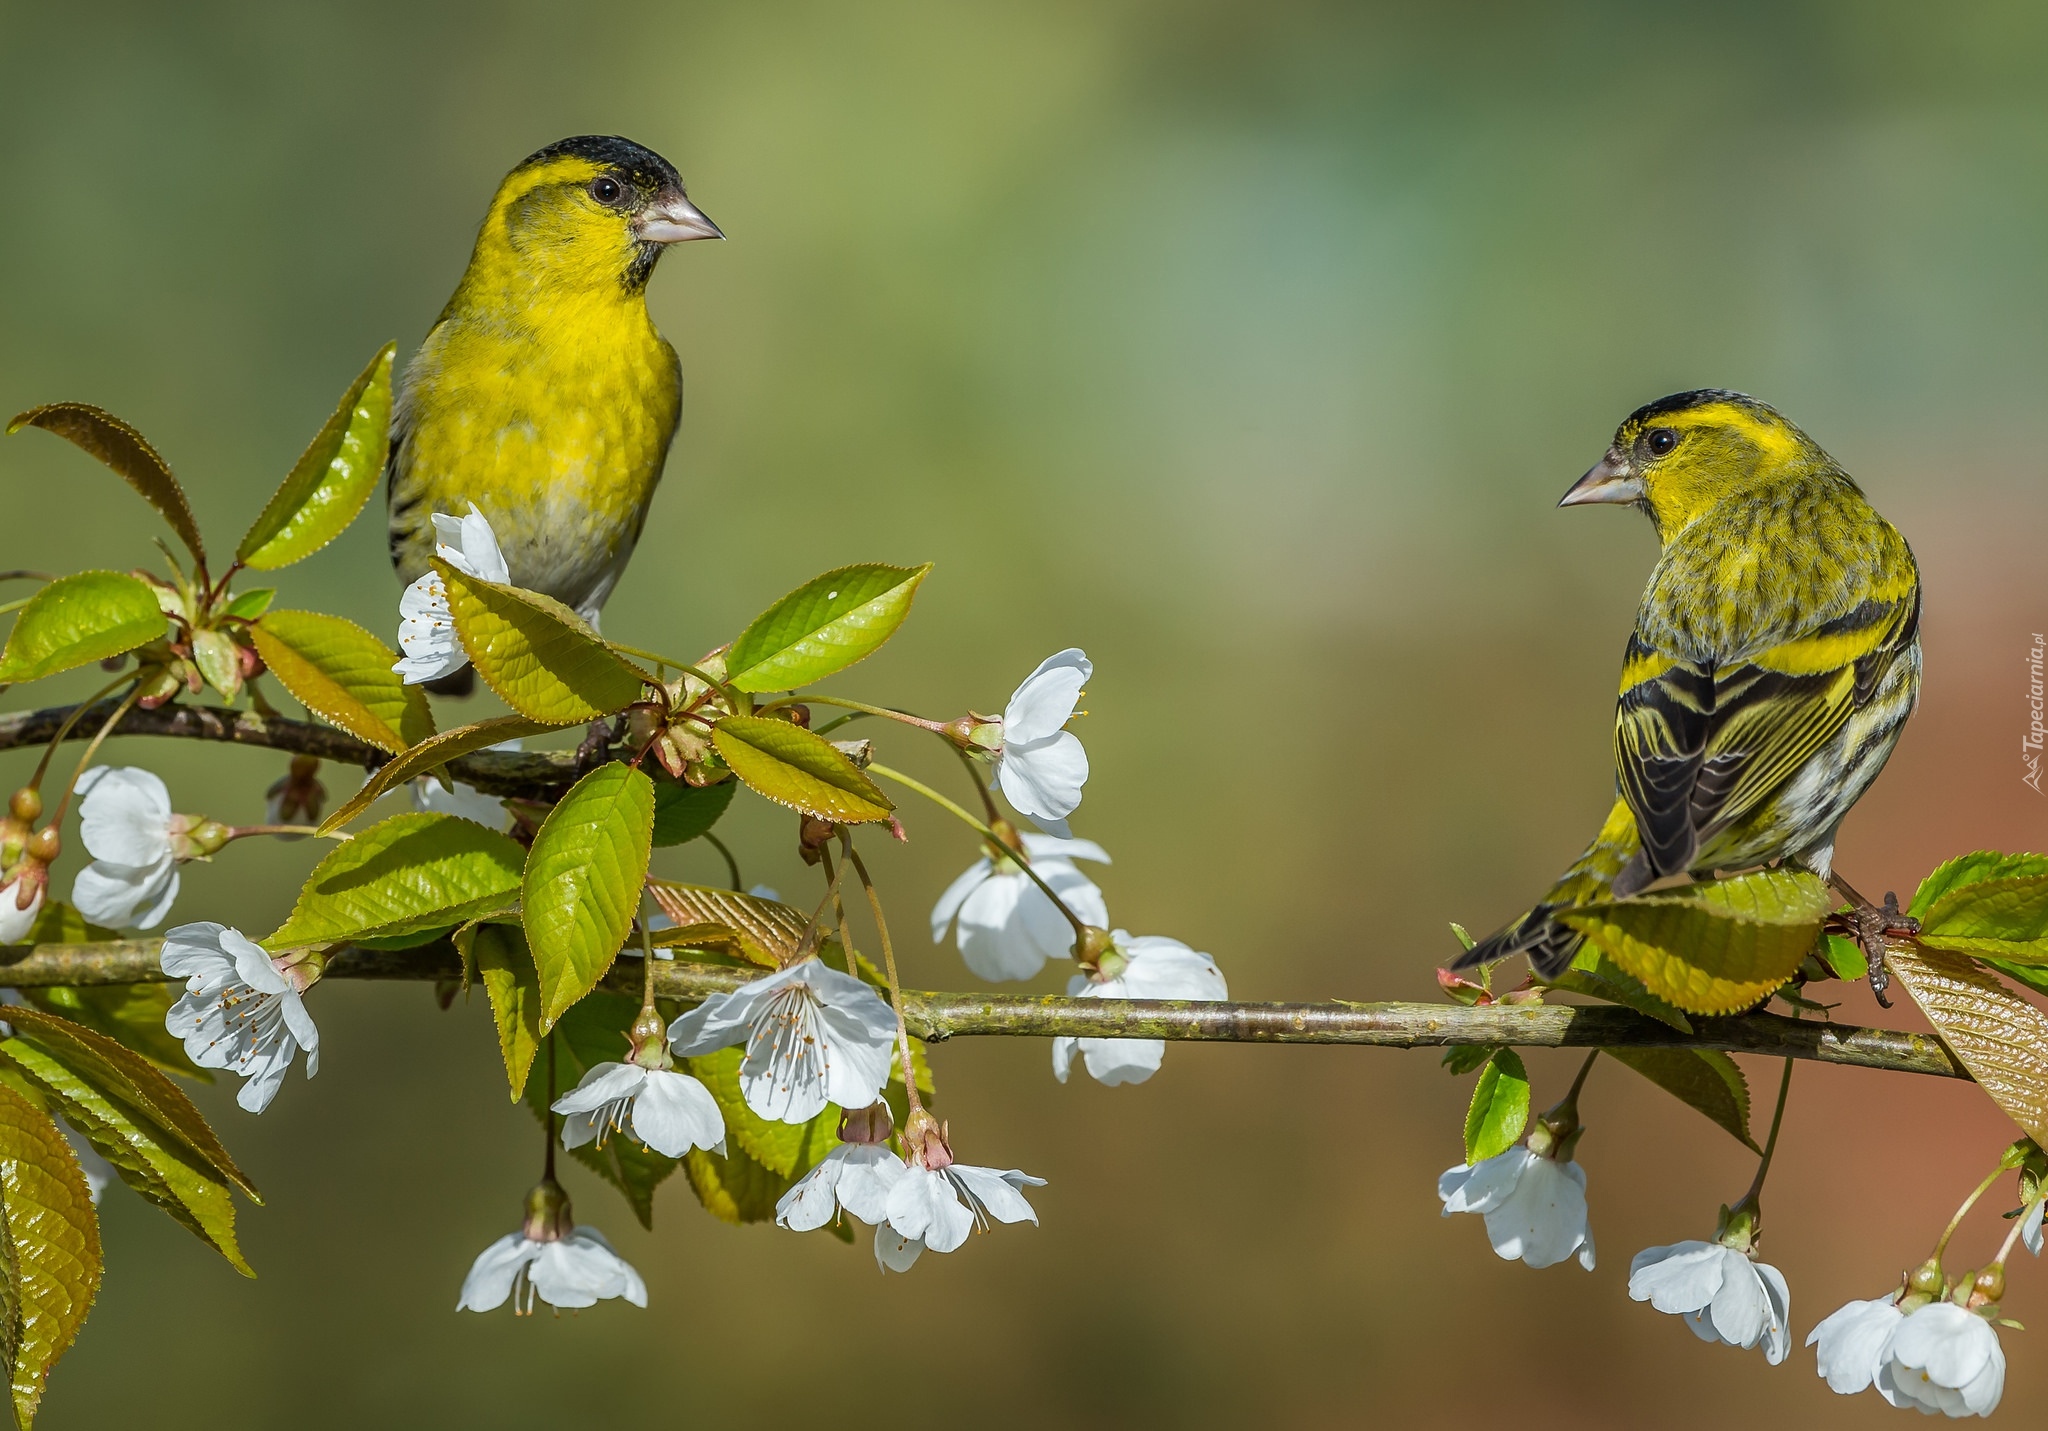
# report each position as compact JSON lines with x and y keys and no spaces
{"x":543,"y":393}
{"x":1774,"y":661}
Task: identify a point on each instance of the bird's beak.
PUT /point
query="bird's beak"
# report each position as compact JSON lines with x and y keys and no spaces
{"x":673,"y":219}
{"x":1610,"y":480}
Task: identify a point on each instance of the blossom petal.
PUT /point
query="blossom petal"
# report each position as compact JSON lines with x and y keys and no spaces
{"x":1000,"y":1194}
{"x":1683,"y":1277}
{"x":1852,"y":1341}
{"x":123,"y":896}
{"x":867,"y":1173}
{"x":491,"y":1276}
{"x":465,"y":801}
{"x":675,"y":1113}
{"x":1063,"y":847}
{"x":1113,"y":1061}
{"x":924,"y":1205}
{"x":16,"y":922}
{"x":894,"y":1253}
{"x":1167,"y":969}
{"x":1777,"y":1336}
{"x":1046,"y":698}
{"x":1542,"y":1220}
{"x":1043,"y":779}
{"x":1063,"y":1056}
{"x":125,"y":818}
{"x":601,"y":1084}
{"x":956,"y":895}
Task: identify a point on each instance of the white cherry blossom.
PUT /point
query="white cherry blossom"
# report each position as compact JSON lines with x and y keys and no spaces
{"x":1146,"y":966}
{"x":2030,"y":1215}
{"x":240,"y":1011}
{"x":668,"y":1111}
{"x":1006,"y":926}
{"x":15,"y":920}
{"x":813,"y":1035}
{"x":1944,"y":1358}
{"x":1534,"y":1206}
{"x":935,"y":1202}
{"x":1722,"y":1294}
{"x":1852,"y":1342}
{"x":1042,"y":765}
{"x":426,"y":627}
{"x":130,"y":830}
{"x":854,"y":1176}
{"x":577,"y":1269}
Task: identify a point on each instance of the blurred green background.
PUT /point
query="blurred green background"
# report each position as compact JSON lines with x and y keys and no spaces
{"x":1248,"y":347}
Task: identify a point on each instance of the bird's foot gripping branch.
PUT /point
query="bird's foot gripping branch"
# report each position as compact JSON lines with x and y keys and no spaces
{"x":767,"y":1048}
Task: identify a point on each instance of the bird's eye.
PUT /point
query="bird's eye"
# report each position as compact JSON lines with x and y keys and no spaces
{"x":1662,"y":440}
{"x":605,"y":189}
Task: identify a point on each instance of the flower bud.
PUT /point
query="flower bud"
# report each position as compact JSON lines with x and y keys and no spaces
{"x":924,"y":1139}
{"x":648,"y":1037}
{"x":26,"y":805}
{"x":1007,"y":836}
{"x":547,"y":1213}
{"x":1927,"y":1280}
{"x":299,"y":796}
{"x":44,"y":845}
{"x":871,"y":1124}
{"x":813,"y":835}
{"x":798,"y":715}
{"x":198,"y":837}
{"x":975,"y":734}
{"x":644,"y":722}
{"x":1093,"y":946}
{"x":1987,"y":1288}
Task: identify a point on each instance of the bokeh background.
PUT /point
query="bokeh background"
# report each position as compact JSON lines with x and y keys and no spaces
{"x":1248,"y":347}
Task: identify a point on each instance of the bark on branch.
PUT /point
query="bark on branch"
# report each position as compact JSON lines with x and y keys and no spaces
{"x":938,"y":1016}
{"x":525,"y":774}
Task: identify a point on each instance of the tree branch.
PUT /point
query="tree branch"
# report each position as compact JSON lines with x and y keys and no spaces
{"x":936,"y":1017}
{"x":524,"y":774}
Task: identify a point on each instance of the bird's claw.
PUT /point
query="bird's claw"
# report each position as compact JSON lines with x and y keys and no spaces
{"x":1870,"y":925}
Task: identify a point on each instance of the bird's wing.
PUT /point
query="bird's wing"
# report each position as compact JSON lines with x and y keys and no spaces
{"x":1697,"y":747}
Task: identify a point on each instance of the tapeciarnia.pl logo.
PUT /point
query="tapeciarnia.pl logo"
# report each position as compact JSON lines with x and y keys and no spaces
{"x":2030,"y":744}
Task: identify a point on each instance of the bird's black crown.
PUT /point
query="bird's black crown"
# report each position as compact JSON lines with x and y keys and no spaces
{"x":647,"y":169}
{"x":1699,"y":397}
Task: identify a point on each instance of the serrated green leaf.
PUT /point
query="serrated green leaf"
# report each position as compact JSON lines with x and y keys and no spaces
{"x":764,"y":932}
{"x":410,"y":872}
{"x":343,"y":674}
{"x":794,"y":767}
{"x":762,"y":1159}
{"x":823,"y":626}
{"x":51,"y":1246}
{"x":120,"y":1072}
{"x":1702,"y":1078}
{"x":214,"y":653}
{"x":161,"y":1169}
{"x":509,"y":980}
{"x":1462,"y":1058}
{"x":582,"y":882}
{"x":1499,"y":1110}
{"x":1997,"y":1035}
{"x":1595,"y":975}
{"x":122,"y":448}
{"x":252,"y":603}
{"x":1845,"y":956}
{"x":1987,"y":904}
{"x":430,"y":754}
{"x":76,"y":620}
{"x":594,"y":1032}
{"x":682,"y":811}
{"x":541,"y":658}
{"x":332,"y":479}
{"x":132,"y":1015}
{"x":1714,"y":947}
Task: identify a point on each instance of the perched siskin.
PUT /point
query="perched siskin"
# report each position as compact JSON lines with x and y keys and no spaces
{"x":543,"y":393}
{"x":1775,"y":658}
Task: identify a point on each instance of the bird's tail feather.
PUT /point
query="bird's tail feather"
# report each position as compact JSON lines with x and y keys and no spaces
{"x":1549,"y":943}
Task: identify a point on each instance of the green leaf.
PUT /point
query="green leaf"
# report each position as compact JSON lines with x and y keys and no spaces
{"x":1993,"y":1032}
{"x":342,"y":673}
{"x":582,"y":882}
{"x":541,"y":658}
{"x":1973,"y":868}
{"x":1701,"y":1077}
{"x":591,"y":1033}
{"x":1462,"y":1058}
{"x":431,"y":754}
{"x":1714,"y":947}
{"x":793,"y":767}
{"x":49,"y":1247}
{"x":1595,"y":975}
{"x":823,"y":626}
{"x":121,"y":1073}
{"x":332,"y":479}
{"x":410,"y":872}
{"x":79,"y":619}
{"x":762,"y":1159}
{"x":507,"y":971}
{"x":2031,"y":976}
{"x":160,"y":1169}
{"x":132,"y":1015}
{"x":125,"y":450}
{"x":1500,"y":1107}
{"x":1987,"y":904}
{"x":250,"y":604}
{"x":215,"y":655}
{"x":682,"y":811}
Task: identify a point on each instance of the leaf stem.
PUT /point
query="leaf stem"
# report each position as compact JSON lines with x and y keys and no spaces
{"x":988,"y":801}
{"x":547,"y":1171}
{"x":684,"y":666}
{"x":236,"y":832}
{"x":64,"y":730}
{"x":905,"y":717}
{"x":1022,"y":861}
{"x":732,"y":866}
{"x":127,"y":703}
{"x":889,"y":969}
{"x":1962,"y":1212}
{"x":1763,"y":1168}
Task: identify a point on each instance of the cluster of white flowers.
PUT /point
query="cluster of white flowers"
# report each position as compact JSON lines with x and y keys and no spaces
{"x":242,"y":1010}
{"x":1939,"y":1357}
